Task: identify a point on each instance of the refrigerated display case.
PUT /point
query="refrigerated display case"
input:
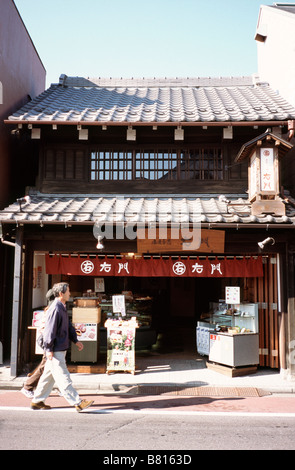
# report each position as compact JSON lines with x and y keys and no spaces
{"x":234,"y":350}
{"x":237,"y":345}
{"x":203,"y":337}
{"x":244,"y":315}
{"x":230,"y":336}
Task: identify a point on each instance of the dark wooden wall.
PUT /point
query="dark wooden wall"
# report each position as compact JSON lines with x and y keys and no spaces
{"x":64,"y":162}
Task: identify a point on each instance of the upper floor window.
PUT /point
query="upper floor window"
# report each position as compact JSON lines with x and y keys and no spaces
{"x":197,"y":163}
{"x":110,"y":165}
{"x":202,"y":164}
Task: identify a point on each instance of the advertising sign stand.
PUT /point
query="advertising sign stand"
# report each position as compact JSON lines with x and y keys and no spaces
{"x":121,"y":345}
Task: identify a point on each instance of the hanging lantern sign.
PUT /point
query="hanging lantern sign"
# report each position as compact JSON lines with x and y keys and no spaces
{"x":267,"y":170}
{"x":264,"y":154}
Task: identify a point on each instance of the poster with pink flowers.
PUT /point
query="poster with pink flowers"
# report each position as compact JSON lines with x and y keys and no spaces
{"x":121,"y":345}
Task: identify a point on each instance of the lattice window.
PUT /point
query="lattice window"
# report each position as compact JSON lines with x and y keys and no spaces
{"x":202,"y":164}
{"x":111,"y":166}
{"x":157,"y":165}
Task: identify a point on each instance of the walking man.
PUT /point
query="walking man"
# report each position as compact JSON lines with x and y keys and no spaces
{"x":57,"y":336}
{"x":33,"y":378}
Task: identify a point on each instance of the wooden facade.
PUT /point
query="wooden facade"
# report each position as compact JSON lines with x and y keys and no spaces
{"x":203,"y":163}
{"x":273,"y":318}
{"x":65,"y":164}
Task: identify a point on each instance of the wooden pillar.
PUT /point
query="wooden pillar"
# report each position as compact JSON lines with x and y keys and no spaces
{"x":291,"y":313}
{"x":282,"y":313}
{"x":17,"y":289}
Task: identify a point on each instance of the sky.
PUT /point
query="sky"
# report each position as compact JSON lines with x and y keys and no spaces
{"x":143,"y":38}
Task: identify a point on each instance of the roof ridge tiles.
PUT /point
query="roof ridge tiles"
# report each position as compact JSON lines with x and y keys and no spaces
{"x":66,"y":81}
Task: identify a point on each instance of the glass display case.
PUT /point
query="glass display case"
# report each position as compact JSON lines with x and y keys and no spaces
{"x":229,"y":336}
{"x":235,"y":343}
{"x":243,"y":317}
{"x":139,"y":308}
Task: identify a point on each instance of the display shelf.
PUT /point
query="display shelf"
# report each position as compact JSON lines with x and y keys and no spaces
{"x":212,"y":330}
{"x":245,"y":316}
{"x":139,"y":308}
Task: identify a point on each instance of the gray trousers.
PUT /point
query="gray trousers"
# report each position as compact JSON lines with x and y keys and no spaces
{"x":56,"y":371}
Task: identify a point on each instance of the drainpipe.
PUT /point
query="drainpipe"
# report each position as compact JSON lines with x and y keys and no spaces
{"x":6,"y":242}
{"x":17,"y":289}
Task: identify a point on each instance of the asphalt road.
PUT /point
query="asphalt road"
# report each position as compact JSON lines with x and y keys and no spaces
{"x":151,"y":423}
{"x":22,"y":430}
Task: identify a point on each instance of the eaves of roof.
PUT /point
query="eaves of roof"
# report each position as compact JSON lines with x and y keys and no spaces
{"x":247,"y":148}
{"x":60,"y":209}
{"x":286,"y":7}
{"x":182,"y":104}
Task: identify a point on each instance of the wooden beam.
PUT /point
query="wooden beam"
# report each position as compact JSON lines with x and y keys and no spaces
{"x":149,"y":123}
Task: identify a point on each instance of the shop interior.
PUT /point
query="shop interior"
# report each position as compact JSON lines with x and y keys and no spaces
{"x":167,"y":309}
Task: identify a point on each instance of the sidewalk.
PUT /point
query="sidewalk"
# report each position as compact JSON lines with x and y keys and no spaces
{"x":165,"y":370}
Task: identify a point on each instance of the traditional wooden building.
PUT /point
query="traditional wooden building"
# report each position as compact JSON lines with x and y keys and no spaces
{"x":168,"y":188}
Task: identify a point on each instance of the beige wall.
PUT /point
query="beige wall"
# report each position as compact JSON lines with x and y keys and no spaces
{"x":276,"y":54}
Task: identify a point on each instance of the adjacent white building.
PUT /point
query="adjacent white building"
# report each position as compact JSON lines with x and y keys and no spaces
{"x":275,"y":36}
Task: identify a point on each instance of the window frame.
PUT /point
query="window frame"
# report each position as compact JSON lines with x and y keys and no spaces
{"x":157,"y":164}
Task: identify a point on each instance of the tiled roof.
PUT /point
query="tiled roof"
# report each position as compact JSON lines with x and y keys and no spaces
{"x":288,"y":7}
{"x":73,"y":209}
{"x":283,"y":147}
{"x":76,"y":99}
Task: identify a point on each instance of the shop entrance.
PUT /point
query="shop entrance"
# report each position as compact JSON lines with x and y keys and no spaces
{"x":176,"y":305}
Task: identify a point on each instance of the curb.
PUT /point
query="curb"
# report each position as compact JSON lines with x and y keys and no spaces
{"x":100,"y":388}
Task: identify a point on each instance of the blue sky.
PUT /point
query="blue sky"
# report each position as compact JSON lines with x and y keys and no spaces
{"x":143,"y":38}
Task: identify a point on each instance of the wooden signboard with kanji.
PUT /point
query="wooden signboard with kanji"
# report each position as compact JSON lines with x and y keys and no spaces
{"x":164,"y":241}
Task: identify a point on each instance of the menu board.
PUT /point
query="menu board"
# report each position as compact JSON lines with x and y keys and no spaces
{"x":232,"y":295}
{"x":119,"y":304}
